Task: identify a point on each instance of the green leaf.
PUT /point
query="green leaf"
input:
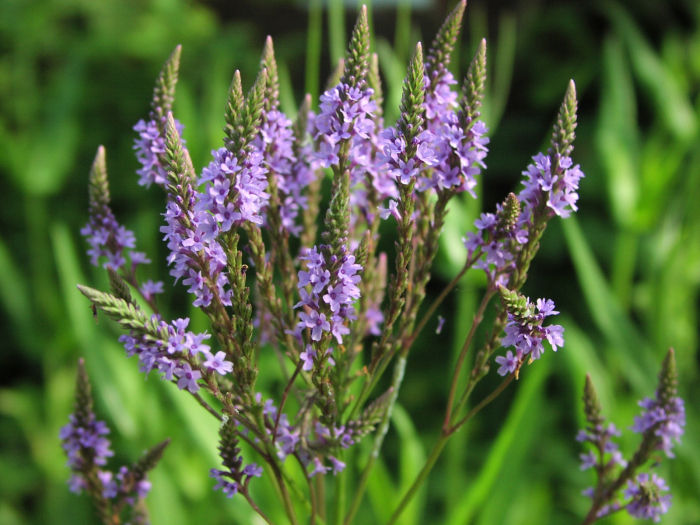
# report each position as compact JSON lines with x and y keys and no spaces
{"x":411,"y":461}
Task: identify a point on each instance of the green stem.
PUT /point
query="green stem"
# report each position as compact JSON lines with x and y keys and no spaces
{"x":437,"y":302}
{"x":429,"y":464}
{"x":463,"y":354}
{"x":474,"y":411}
{"x":397,"y":379}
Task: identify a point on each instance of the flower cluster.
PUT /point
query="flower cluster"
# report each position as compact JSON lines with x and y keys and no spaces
{"x":325,"y":293}
{"x":175,"y":356}
{"x":601,"y":437}
{"x":107,"y":238}
{"x":84,"y":440}
{"x":87,"y":448}
{"x":233,"y":191}
{"x":525,"y":332}
{"x":150,"y":151}
{"x":345,"y":114}
{"x":276,"y":140}
{"x":666,"y":419}
{"x":555,"y":190}
{"x":459,"y":147}
{"x":647,"y":501}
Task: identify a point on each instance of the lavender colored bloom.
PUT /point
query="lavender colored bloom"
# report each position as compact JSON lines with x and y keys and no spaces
{"x":108,"y":239}
{"x":149,"y":289}
{"x":307,"y":357}
{"x":509,"y":363}
{"x":555,"y":190}
{"x":648,"y":502}
{"x":80,"y":438}
{"x":318,"y":467}
{"x":338,"y":466}
{"x":292,"y":174}
{"x":527,"y":333}
{"x":110,"y":489}
{"x":669,"y":421}
{"x":253,"y":470}
{"x":188,"y":377}
{"x":230,"y":488}
{"x":150,"y":152}
{"x":218,"y":364}
{"x":330,"y":297}
{"x":391,"y":210}
{"x":441,"y":323}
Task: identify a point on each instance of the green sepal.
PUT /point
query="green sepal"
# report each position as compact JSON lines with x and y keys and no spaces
{"x":148,"y":460}
{"x":668,"y":379}
{"x":98,"y":185}
{"x":234,"y":103}
{"x":83,"y":397}
{"x":516,"y":304}
{"x":507,"y":217}
{"x":240,"y":135}
{"x":164,"y":91}
{"x":229,"y":451}
{"x":438,"y":56}
{"x":127,"y":315}
{"x":119,"y":287}
{"x":272,"y":87}
{"x":474,"y":87}
{"x":411,"y":121}
{"x":591,"y":404}
{"x":371,"y":416}
{"x":357,"y":56}
{"x":565,"y":126}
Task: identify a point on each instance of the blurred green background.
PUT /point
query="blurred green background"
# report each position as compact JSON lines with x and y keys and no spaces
{"x":624,"y":272}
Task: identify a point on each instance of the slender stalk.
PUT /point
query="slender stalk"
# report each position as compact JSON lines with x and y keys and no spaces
{"x":256,"y":508}
{"x":340,"y":499}
{"x":397,"y":379}
{"x":429,"y":464}
{"x":463,"y":354}
{"x":206,"y":405}
{"x":285,"y":394}
{"x":474,"y":411}
{"x":437,"y":302}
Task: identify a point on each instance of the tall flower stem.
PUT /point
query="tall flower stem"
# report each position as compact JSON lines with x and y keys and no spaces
{"x":397,"y":379}
{"x":463,"y":354}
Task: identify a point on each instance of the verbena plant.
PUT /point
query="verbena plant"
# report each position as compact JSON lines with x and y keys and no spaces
{"x":327,"y":305}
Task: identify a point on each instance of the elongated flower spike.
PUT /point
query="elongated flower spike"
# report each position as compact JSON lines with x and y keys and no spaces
{"x":272,"y":88}
{"x":357,"y":56}
{"x":565,"y":126}
{"x":591,"y":404}
{"x":661,"y":423}
{"x":375,"y":83}
{"x":164,"y":91}
{"x":474,"y":88}
{"x":247,"y":120}
{"x":438,"y":56}
{"x":410,"y":123}
{"x":234,"y":104}
{"x":106,"y":237}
